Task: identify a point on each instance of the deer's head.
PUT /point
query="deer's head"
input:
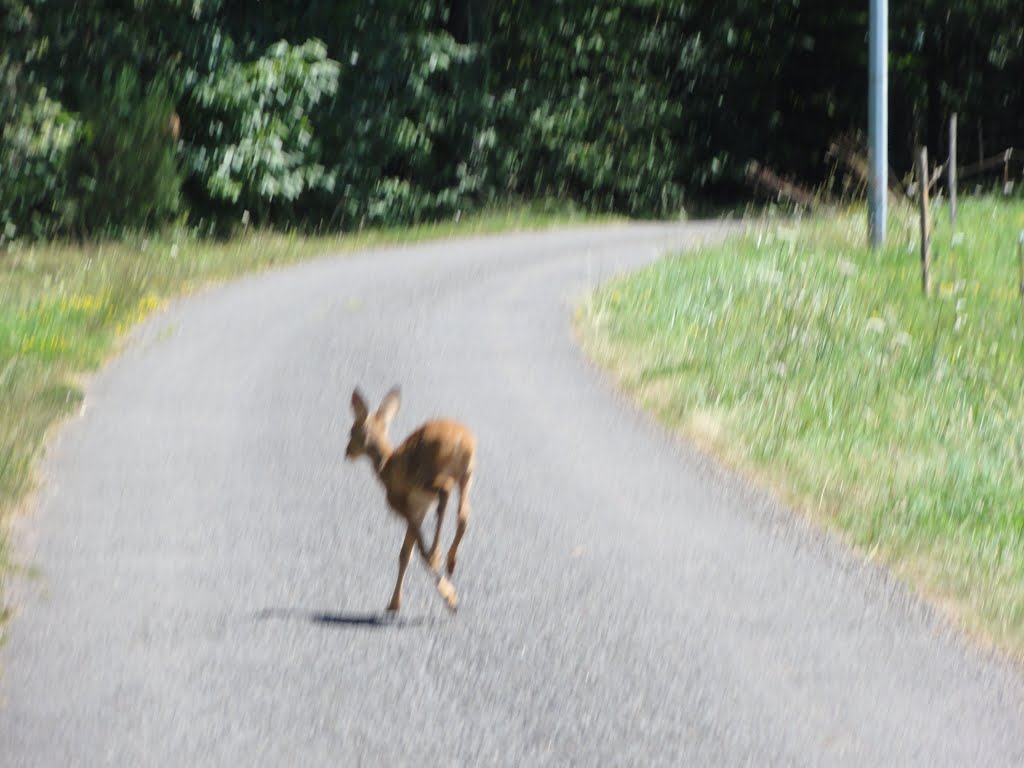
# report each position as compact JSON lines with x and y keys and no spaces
{"x":369,"y":435}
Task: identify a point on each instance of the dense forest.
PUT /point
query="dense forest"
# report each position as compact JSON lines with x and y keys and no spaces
{"x":336,"y":114}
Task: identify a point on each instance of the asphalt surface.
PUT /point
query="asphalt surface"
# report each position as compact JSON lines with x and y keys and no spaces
{"x":209,"y":576}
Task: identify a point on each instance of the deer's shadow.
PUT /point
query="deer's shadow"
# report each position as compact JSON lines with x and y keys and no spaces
{"x":344,"y":619}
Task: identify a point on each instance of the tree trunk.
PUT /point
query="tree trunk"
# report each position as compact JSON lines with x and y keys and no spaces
{"x":468,"y":19}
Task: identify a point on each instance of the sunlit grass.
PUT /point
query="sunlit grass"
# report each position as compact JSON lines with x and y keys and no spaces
{"x":63,"y":308}
{"x":802,"y":357}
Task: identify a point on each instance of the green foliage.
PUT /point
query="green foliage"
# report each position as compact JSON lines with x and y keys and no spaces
{"x":253,"y":143}
{"x":341,"y":113}
{"x":431,"y":154}
{"x":408,"y":134}
{"x":965,"y":57}
{"x":35,"y":146}
{"x":125,"y":166}
{"x":592,"y":103}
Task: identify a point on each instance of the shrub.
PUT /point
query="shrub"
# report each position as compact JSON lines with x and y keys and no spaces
{"x":36,"y":145}
{"x":125,"y":168}
{"x":253,"y":144}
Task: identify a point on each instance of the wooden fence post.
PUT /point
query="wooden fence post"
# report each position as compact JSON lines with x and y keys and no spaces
{"x":926,"y":229}
{"x":952,"y":171}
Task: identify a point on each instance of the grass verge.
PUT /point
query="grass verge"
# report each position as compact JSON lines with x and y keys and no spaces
{"x":801,"y":357}
{"x":63,"y":307}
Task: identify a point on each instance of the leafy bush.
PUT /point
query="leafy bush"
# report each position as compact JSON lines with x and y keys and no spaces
{"x":594,"y":101}
{"x":428,"y":164}
{"x":253,"y":143}
{"x":125,"y":168}
{"x":408,"y":134}
{"x":34,"y":153}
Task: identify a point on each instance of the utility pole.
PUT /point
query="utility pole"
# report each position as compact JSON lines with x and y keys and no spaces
{"x":878,"y":121}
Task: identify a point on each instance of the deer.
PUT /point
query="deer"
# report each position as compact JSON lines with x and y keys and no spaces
{"x":424,"y":469}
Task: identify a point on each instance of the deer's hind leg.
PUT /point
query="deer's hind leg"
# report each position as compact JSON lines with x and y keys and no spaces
{"x":444,"y":587}
{"x":464,"y":485}
{"x":434,"y":556}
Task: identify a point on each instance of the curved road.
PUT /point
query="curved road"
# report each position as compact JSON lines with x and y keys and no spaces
{"x":210,"y":574}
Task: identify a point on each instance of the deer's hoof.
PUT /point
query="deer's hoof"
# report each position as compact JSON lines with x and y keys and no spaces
{"x":448,"y":593}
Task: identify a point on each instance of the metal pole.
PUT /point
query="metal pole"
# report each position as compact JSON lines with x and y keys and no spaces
{"x":878,"y":121}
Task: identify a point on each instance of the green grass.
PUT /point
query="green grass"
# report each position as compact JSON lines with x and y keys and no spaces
{"x":802,"y":358}
{"x":64,"y":307}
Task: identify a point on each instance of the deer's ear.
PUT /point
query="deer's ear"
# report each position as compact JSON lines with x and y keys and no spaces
{"x":389,"y":406}
{"x":359,"y":407}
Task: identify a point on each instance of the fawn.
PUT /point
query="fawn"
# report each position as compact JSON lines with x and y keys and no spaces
{"x":425,"y":468}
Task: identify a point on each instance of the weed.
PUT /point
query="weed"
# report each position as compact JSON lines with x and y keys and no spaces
{"x":802,"y":355}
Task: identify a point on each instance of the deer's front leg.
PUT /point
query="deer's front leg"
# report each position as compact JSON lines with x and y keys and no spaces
{"x":403,"y":563}
{"x":464,"y":485}
{"x":434,"y":557}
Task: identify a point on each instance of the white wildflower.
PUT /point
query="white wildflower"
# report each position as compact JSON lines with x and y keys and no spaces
{"x":769,"y":276}
{"x":847,"y":268}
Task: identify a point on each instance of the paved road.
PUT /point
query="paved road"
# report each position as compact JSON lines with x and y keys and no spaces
{"x":211,"y":574}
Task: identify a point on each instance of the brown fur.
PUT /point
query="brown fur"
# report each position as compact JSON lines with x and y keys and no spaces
{"x":424,"y":469}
